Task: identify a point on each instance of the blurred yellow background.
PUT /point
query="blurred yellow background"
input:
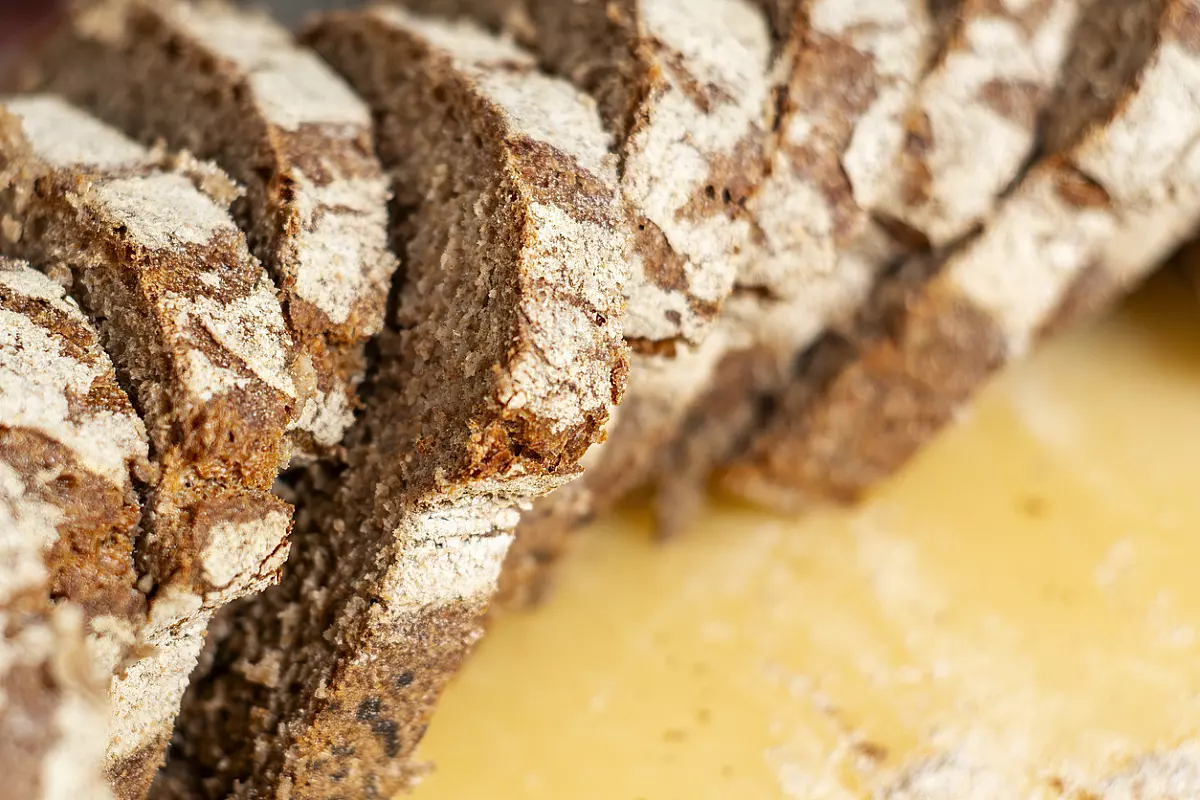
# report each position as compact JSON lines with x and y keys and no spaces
{"x":1015,"y":616}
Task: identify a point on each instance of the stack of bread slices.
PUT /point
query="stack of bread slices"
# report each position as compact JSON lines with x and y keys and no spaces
{"x":312,"y":345}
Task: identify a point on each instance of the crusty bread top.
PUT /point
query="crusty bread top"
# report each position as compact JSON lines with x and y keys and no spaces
{"x":845,"y":74}
{"x":232,"y":86}
{"x":215,"y":314}
{"x":692,"y":146}
{"x":55,"y":379}
{"x":1081,"y":227}
{"x":985,"y":94}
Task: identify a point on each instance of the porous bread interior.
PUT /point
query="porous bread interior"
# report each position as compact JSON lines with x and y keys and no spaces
{"x":467,"y":229}
{"x":177,"y":86}
{"x":433,"y":463}
{"x":219,"y":454}
{"x":1112,"y":42}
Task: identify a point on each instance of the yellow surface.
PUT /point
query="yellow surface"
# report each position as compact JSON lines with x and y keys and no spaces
{"x":1015,"y":616}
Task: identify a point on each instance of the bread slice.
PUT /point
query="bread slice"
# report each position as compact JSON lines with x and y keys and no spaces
{"x":71,"y":451}
{"x":1082,"y":226}
{"x":198,"y":337}
{"x":232,"y":86}
{"x":909,"y":173}
{"x":685,"y":90}
{"x":507,"y":361}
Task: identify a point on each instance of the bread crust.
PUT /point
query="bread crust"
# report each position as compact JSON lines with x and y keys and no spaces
{"x":232,"y":86}
{"x":197,"y":334}
{"x":503,"y":373}
{"x":71,"y":453}
{"x":1082,"y":227}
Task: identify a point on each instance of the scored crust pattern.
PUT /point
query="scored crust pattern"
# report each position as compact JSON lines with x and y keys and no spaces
{"x":197,"y":334}
{"x":502,"y":372}
{"x":1084,"y":225}
{"x":71,"y":449}
{"x":233,"y":86}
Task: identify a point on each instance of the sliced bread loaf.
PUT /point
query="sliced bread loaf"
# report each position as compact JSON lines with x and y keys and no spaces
{"x":232,"y":86}
{"x":506,"y":362}
{"x":931,"y":147}
{"x":71,"y":451}
{"x":197,"y":335}
{"x":1080,"y":228}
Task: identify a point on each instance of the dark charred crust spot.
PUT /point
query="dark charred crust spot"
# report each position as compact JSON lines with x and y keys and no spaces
{"x":368,"y":709}
{"x":404,"y":680}
{"x":388,"y":731}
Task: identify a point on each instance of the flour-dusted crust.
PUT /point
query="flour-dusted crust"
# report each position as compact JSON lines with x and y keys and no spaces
{"x":194,"y":327}
{"x":1083,"y":226}
{"x":845,"y":77}
{"x":232,"y":86}
{"x":52,"y":699}
{"x":1000,"y":67}
{"x":71,"y":449}
{"x":507,"y":361}
{"x":684,"y":87}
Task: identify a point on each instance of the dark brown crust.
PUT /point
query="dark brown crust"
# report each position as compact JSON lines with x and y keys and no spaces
{"x":856,"y":414}
{"x":174,"y":87}
{"x":324,"y":656}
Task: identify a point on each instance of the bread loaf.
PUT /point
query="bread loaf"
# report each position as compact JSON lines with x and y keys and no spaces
{"x":684,"y":89}
{"x":71,"y":451}
{"x":1087,"y":222}
{"x":232,"y":86}
{"x":917,"y":159}
{"x":502,"y":373}
{"x":197,"y":334}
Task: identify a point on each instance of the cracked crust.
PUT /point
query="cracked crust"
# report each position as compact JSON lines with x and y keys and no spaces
{"x":1082,"y":227}
{"x":503,"y":371}
{"x":196,"y":333}
{"x":987,"y":92}
{"x":232,"y":86}
{"x":71,"y":451}
{"x":903,"y":173}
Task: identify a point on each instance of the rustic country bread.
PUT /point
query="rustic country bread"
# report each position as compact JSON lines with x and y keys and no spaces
{"x":71,"y":449}
{"x":683,"y":87}
{"x":686,"y":91}
{"x":922,"y":158}
{"x":974,"y":122}
{"x":502,"y":372}
{"x":232,"y":86}
{"x":1082,"y":226}
{"x":197,"y":335}
{"x":845,"y":75}
{"x":841,"y":76}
